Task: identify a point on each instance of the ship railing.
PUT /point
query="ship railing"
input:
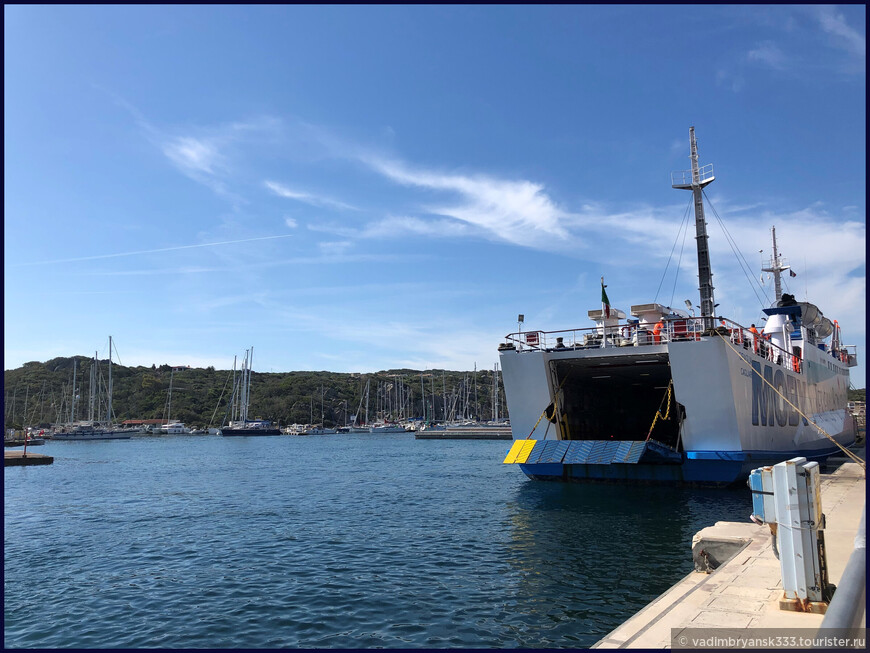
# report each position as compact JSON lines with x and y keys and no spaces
{"x":684,"y":177}
{"x":849,"y":354}
{"x":633,"y":334}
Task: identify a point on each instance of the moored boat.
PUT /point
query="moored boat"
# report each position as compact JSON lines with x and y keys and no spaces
{"x":667,"y":397}
{"x":92,"y":431}
{"x":240,"y":402}
{"x":250,"y":427}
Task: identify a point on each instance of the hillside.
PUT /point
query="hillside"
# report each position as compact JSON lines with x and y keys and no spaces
{"x":41,"y":394}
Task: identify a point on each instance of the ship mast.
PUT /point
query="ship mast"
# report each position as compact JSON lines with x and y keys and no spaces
{"x":695,"y":180}
{"x":776,"y":265}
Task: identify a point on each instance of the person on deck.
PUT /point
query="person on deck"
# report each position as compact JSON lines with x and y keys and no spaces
{"x":657,"y":331}
{"x":755,"y":336}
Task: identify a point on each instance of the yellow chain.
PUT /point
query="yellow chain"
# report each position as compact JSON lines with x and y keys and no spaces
{"x":659,"y":411}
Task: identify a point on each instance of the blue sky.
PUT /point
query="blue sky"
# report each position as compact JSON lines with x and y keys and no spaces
{"x":363,"y":188}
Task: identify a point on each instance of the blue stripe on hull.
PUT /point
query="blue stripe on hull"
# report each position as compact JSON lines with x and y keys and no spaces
{"x":716,"y":468}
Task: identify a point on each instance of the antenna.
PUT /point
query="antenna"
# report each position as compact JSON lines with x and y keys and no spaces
{"x":777,"y":266}
{"x":695,"y":180}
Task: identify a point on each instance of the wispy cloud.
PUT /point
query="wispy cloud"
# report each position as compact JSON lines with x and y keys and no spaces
{"x":152,"y":251}
{"x":201,"y":153}
{"x":334,"y":248}
{"x":192,"y":154}
{"x":768,"y":54}
{"x":730,"y":79}
{"x":392,"y":227}
{"x":400,"y":226}
{"x":845,"y":37}
{"x":516,"y":211}
{"x":307,"y":198}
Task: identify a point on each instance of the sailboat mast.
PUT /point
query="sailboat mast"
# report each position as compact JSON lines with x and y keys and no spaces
{"x":235,"y":398}
{"x":776,"y":266}
{"x":476,"y":405}
{"x":72,"y":406}
{"x":169,"y":405}
{"x":109,"y":408}
{"x":700,"y":177}
{"x":92,"y":390}
{"x":243,"y":404}
{"x":248,"y":391}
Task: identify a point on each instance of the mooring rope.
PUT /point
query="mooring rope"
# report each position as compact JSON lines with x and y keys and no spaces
{"x":848,"y":453}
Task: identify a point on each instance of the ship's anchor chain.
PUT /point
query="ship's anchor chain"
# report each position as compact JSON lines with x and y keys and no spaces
{"x":549,"y":412}
{"x":658,"y":414}
{"x":799,"y":411}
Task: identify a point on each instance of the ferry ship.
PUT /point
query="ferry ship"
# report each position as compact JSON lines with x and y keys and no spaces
{"x":666,"y":397}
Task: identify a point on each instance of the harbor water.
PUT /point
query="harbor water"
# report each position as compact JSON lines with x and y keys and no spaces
{"x":333,"y":541}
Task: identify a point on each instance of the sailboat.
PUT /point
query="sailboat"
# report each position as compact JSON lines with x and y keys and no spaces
{"x":93,"y":429}
{"x":172,"y":428}
{"x":668,"y":397}
{"x":239,"y":423}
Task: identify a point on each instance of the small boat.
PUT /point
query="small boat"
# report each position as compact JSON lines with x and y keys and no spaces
{"x":320,"y":430}
{"x":386,"y":427}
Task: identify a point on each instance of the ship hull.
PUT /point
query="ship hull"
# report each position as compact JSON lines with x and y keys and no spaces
{"x":720,"y":469}
{"x":232,"y":432}
{"x":79,"y":437}
{"x":726,"y":408}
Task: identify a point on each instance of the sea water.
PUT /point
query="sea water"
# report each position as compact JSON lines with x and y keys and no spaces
{"x":334,"y":541}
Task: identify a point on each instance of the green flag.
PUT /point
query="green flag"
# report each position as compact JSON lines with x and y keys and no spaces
{"x":605,"y":303}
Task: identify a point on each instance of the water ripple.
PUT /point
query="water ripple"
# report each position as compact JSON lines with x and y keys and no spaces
{"x":330,"y":542}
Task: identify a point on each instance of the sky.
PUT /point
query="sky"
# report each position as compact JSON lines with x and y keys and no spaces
{"x":362,"y":188}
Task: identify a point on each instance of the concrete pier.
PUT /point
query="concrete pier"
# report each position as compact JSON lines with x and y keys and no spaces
{"x":744,"y":589}
{"x":19,"y":458}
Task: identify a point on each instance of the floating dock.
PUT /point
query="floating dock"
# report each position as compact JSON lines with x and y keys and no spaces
{"x":744,"y":589}
{"x":20,"y":458}
{"x":468,"y":433}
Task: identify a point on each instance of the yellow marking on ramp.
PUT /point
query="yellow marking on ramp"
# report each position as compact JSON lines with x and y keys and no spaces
{"x":519,"y":452}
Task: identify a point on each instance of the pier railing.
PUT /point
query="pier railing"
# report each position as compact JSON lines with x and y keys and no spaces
{"x":633,"y":334}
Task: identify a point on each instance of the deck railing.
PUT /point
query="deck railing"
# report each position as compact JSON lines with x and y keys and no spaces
{"x":632,"y":334}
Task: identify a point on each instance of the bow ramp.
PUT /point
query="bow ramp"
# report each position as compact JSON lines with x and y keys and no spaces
{"x":591,"y":452}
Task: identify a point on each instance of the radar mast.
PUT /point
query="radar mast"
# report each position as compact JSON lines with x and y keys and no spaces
{"x":695,"y":180}
{"x":777,"y":266}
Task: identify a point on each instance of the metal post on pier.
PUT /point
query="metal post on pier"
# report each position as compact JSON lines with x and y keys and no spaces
{"x":787,"y":497}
